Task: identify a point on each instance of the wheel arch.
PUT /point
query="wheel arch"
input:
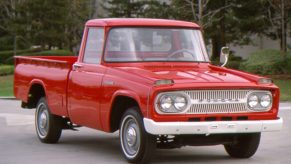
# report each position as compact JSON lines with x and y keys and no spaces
{"x":36,"y":91}
{"x":120,"y":103}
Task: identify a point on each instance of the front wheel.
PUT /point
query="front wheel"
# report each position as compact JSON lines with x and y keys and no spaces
{"x":243,"y":146}
{"x":48,"y":126}
{"x":137,"y":145}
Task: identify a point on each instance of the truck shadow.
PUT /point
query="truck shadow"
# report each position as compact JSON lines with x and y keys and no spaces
{"x":104,"y":145}
{"x":107,"y":146}
{"x":179,"y":156}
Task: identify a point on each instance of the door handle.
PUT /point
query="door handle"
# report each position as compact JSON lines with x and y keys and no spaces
{"x":77,"y":66}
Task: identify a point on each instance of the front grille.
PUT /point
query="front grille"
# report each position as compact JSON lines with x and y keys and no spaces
{"x":218,"y":101}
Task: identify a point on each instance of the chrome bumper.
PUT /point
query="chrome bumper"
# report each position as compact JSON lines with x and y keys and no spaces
{"x":213,"y":127}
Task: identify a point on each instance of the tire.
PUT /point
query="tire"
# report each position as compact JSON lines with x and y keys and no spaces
{"x":244,"y":145}
{"x":136,"y":144}
{"x":48,"y":127}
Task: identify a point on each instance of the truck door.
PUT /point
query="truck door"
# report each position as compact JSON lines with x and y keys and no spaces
{"x":84,"y":88}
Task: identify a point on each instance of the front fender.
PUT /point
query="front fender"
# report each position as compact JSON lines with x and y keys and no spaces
{"x":130,"y":94}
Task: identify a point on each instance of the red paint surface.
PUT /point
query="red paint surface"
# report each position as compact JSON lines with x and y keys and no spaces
{"x":85,"y":95}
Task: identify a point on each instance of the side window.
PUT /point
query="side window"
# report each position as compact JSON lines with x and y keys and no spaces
{"x":94,"y":46}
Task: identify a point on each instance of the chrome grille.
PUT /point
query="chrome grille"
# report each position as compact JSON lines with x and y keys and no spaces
{"x":218,"y":101}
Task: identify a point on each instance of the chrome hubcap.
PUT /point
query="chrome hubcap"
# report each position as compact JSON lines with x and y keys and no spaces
{"x":130,"y":136}
{"x":42,"y":120}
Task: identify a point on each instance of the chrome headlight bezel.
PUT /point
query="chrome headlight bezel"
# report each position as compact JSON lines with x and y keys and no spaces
{"x":259,"y":107}
{"x":174,"y":96}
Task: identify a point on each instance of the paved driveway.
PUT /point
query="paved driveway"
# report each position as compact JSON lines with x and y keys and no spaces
{"x":19,"y":144}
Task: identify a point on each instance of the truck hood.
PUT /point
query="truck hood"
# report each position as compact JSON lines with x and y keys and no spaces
{"x":197,"y":74}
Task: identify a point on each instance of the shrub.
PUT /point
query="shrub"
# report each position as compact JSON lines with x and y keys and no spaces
{"x":233,"y":61}
{"x":50,"y":53}
{"x":265,"y":62}
{"x":5,"y":55}
{"x":6,"y":70}
{"x":10,"y":60}
{"x":233,"y":64}
{"x":232,"y":57}
{"x":288,"y":67}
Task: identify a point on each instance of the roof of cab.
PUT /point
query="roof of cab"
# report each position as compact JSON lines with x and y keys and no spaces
{"x":140,"y":22}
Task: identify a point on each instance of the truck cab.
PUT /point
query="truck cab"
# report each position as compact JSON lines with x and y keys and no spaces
{"x":152,"y":80}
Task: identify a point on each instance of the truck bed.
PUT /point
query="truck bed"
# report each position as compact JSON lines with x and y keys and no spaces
{"x":52,"y":72}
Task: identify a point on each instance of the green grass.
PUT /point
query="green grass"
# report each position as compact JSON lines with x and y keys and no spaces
{"x":6,"y":70}
{"x":6,"y":85}
{"x":285,"y":88}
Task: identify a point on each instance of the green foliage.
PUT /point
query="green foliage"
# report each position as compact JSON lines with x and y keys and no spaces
{"x":47,"y":27}
{"x":48,"y":23}
{"x":265,"y":62}
{"x":6,"y":70}
{"x":157,"y":9}
{"x":50,"y":53}
{"x":233,"y":61}
{"x":224,"y":21}
{"x":10,"y":60}
{"x":124,"y":8}
{"x":5,"y":55}
{"x":6,"y":43}
{"x":285,"y":89}
{"x":232,"y":57}
{"x":288,"y":67}
{"x":6,"y":85}
{"x":137,"y":9}
{"x":233,"y":64}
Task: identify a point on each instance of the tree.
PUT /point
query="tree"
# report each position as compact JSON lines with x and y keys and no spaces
{"x":157,"y":9}
{"x":10,"y":28}
{"x":48,"y":23}
{"x":223,"y":21}
{"x":124,"y":8}
{"x":209,"y":15}
{"x":46,"y":20}
{"x":78,"y":13}
{"x":278,"y":18}
{"x":137,"y":8}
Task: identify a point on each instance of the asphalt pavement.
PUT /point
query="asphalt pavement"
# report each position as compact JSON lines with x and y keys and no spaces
{"x":19,"y":144}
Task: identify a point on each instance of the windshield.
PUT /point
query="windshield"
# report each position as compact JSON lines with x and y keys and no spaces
{"x":136,"y":44}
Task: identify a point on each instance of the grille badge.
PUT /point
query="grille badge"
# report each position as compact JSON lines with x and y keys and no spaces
{"x":217,"y":101}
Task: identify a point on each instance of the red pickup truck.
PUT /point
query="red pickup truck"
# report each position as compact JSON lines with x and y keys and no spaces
{"x":152,"y":80}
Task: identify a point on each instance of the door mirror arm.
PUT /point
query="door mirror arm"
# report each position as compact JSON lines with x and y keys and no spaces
{"x":224,"y":55}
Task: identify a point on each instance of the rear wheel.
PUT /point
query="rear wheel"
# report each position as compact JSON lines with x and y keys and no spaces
{"x":48,"y":126}
{"x":137,"y":145}
{"x":243,"y":146}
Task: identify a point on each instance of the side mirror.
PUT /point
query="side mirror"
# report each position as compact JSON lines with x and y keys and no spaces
{"x":224,"y":53}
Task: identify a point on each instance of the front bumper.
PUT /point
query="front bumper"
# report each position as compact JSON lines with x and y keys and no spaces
{"x":213,"y":127}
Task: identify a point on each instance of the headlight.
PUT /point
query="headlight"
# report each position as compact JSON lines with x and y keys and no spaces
{"x":260,"y":100}
{"x":265,"y":101}
{"x":253,"y":101}
{"x":180,"y":103}
{"x":172,"y":102}
{"x":166,"y":102}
